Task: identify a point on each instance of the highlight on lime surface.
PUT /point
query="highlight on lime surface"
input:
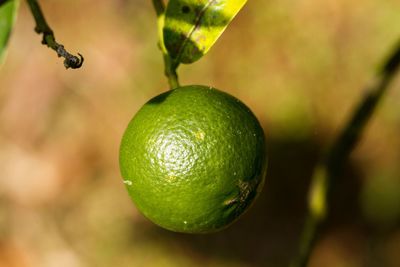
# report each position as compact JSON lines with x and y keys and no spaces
{"x":193,"y":159}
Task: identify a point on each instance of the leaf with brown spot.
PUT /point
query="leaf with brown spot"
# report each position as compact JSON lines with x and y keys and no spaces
{"x":193,"y":26}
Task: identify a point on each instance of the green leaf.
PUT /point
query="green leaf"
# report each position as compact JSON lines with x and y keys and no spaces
{"x":8,"y":10}
{"x":193,"y":26}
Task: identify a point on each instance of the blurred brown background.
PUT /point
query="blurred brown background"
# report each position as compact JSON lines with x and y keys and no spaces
{"x":300,"y":65}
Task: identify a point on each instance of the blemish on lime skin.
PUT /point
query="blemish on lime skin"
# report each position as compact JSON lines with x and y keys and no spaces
{"x":128,"y":183}
{"x":200,"y":135}
{"x":230,"y":201}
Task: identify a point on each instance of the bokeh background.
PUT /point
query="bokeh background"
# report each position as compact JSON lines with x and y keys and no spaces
{"x":300,"y":65}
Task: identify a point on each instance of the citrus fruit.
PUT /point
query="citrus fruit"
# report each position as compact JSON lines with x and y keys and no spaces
{"x":193,"y":159}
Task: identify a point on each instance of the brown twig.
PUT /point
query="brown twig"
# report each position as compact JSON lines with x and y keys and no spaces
{"x":70,"y":61}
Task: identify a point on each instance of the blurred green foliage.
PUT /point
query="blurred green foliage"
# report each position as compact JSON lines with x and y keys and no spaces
{"x":8,"y":10}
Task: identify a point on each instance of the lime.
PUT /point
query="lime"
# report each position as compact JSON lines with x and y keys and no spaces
{"x":193,"y":159}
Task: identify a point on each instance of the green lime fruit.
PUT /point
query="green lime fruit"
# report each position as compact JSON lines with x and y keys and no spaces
{"x":193,"y":159}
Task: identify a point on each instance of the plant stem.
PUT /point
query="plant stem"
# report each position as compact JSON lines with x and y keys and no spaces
{"x":331,"y":167}
{"x":170,"y":71}
{"x":70,"y":61}
{"x":170,"y":64}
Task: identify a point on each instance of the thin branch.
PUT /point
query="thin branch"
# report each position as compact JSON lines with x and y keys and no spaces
{"x":70,"y":61}
{"x":331,"y":167}
{"x":170,"y":64}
